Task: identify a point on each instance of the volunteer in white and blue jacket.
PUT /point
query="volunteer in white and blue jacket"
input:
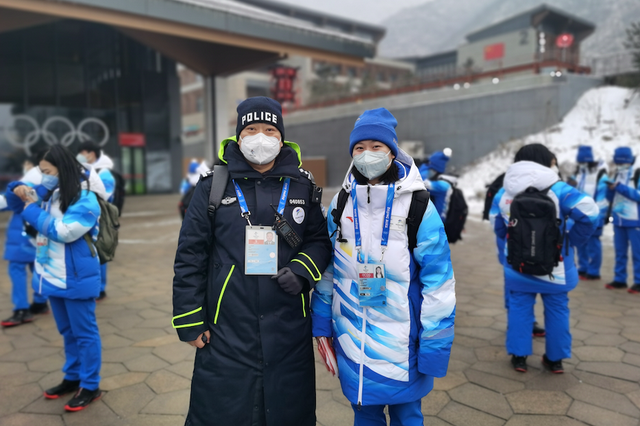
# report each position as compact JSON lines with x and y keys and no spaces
{"x":440,"y":190}
{"x":591,"y":178}
{"x":625,"y":198}
{"x":389,"y":345}
{"x":532,"y":169}
{"x":65,"y":269}
{"x":20,"y":251}
{"x":90,"y":153}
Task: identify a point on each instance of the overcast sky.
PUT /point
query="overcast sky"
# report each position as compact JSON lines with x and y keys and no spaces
{"x":372,"y":11}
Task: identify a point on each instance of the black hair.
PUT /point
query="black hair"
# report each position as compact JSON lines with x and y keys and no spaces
{"x":70,"y":174}
{"x":391,"y":175}
{"x":591,"y":165}
{"x":535,"y":152}
{"x":90,"y":146}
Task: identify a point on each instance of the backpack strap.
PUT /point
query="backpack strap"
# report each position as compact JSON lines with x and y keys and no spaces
{"x":636,"y":175}
{"x":343,"y":196}
{"x":419,"y":203}
{"x":218,"y":186}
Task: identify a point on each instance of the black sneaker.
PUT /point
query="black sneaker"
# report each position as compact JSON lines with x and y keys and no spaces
{"x":39,"y":308}
{"x":103,"y":294}
{"x":582,"y":273}
{"x":554,"y":366}
{"x":589,"y":277}
{"x":82,"y":398}
{"x":67,"y":386}
{"x":615,"y":285}
{"x":519,"y":363}
{"x":21,"y":316}
{"x":538,"y":331}
{"x":635,"y":289}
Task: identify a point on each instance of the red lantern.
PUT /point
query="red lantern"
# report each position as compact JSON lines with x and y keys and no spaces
{"x":282,"y":89}
{"x":564,"y":40}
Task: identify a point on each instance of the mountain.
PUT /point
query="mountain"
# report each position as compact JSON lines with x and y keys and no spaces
{"x":441,"y":25}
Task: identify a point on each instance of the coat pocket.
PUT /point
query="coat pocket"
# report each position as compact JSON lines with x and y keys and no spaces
{"x":224,"y":287}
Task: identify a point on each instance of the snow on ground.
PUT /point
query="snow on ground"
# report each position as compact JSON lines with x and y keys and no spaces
{"x":605,"y":118}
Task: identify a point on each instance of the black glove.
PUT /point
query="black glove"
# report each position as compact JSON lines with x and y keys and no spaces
{"x":290,"y":282}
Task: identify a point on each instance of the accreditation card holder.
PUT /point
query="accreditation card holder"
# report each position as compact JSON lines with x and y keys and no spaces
{"x":372,"y":284}
{"x":261,"y":251}
{"x":42,"y":249}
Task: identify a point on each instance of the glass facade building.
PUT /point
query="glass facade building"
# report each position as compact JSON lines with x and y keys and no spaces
{"x":69,"y":81}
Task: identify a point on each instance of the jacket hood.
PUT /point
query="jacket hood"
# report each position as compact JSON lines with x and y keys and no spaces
{"x":523,"y":174}
{"x":410,"y":179}
{"x":95,"y":184}
{"x":224,"y":143}
{"x":104,"y":162}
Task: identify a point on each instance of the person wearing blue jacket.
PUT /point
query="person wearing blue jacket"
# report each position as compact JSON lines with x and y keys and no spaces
{"x":624,"y":197}
{"x":591,"y":179}
{"x":90,"y":153}
{"x":20,"y":252}
{"x":391,"y":338}
{"x":66,"y":271}
{"x":532,"y":169}
{"x":440,"y":189}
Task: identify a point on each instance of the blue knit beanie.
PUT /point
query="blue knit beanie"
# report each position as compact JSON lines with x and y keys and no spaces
{"x":259,"y":109}
{"x":585,"y":154}
{"x":438,"y":161}
{"x":376,"y":125}
{"x":623,"y":155}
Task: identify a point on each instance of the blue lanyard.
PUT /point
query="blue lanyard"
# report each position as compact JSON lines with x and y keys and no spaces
{"x":385,"y":225}
{"x":243,"y":203}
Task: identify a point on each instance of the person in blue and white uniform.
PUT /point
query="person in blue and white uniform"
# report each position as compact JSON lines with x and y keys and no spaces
{"x":20,"y":252}
{"x":440,"y":189}
{"x":89,"y":153}
{"x":390,"y":344}
{"x":625,"y":198}
{"x":591,"y":179}
{"x":532,"y":168}
{"x":66,"y":267}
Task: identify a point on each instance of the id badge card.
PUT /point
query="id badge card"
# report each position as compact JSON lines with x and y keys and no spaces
{"x":42,"y":249}
{"x":372,"y":284}
{"x":261,"y":251}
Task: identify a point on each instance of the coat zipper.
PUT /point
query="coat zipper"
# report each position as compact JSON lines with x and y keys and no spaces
{"x":362,"y":343}
{"x":364,"y":315}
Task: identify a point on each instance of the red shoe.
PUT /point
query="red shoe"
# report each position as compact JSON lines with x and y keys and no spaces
{"x":82,"y":398}
{"x":615,"y":285}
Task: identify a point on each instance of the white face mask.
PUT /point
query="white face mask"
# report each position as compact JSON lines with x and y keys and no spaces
{"x":372,"y":164}
{"x":621,"y":168}
{"x":260,"y":148}
{"x":82,"y":159}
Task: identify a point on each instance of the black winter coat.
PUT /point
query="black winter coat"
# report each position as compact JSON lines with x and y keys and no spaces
{"x":259,"y":333}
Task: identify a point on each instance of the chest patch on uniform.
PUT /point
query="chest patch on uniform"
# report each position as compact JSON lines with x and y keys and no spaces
{"x":397,"y":223}
{"x":229,"y":200}
{"x":298,"y":215}
{"x":297,"y":202}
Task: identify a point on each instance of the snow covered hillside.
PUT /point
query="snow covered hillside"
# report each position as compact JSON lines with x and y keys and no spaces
{"x":605,"y":118}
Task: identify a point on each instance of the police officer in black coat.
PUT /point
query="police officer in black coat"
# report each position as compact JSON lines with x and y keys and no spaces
{"x":254,"y":363}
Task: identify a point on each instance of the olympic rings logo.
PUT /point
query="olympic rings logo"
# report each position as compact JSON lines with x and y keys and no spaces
{"x":12,"y":134}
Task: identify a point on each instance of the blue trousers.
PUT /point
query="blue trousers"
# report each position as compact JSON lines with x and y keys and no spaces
{"x":556,"y":322}
{"x":590,"y":256}
{"x":622,"y":237}
{"x":19,"y":284}
{"x":76,"y":321}
{"x":103,"y":277}
{"x":409,"y":414}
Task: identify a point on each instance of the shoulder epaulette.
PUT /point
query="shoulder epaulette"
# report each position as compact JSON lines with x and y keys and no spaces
{"x":307,"y":174}
{"x":207,"y":174}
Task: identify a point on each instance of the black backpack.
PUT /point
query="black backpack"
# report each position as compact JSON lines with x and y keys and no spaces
{"x":456,"y":214}
{"x":534,"y":238}
{"x":185,"y":201}
{"x":419,"y":203}
{"x":492,"y":190}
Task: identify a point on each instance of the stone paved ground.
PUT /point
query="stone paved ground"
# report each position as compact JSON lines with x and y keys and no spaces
{"x":146,"y":370}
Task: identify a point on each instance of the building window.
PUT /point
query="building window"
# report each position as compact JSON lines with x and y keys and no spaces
{"x":352,"y":72}
{"x":199,"y":103}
